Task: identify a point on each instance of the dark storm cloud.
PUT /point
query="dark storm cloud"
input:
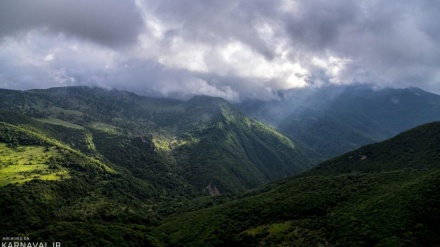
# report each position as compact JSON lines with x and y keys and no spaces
{"x":318,"y":25}
{"x":109,"y":22}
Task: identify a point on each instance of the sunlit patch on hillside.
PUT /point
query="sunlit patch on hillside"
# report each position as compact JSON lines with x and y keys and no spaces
{"x":168,"y":144}
{"x":25,"y":163}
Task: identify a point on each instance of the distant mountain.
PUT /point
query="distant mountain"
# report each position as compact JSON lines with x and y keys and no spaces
{"x":336,"y":119}
{"x":384,"y":194}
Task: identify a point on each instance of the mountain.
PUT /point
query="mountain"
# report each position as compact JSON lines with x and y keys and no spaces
{"x":90,"y":166}
{"x":384,"y":194}
{"x":204,"y":141}
{"x":336,"y":119}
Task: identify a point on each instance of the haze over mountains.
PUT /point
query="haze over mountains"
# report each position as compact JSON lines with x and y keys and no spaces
{"x":99,"y":167}
{"x":335,"y":119}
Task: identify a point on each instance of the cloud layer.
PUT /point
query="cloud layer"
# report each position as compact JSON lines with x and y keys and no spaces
{"x":232,"y":49}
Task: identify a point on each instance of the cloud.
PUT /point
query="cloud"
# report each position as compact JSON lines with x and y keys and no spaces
{"x":232,"y":49}
{"x":38,"y":60}
{"x":387,"y":43}
{"x":108,"y":22}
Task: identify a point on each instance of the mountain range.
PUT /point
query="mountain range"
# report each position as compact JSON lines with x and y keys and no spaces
{"x":204,"y":141}
{"x":98,"y":167}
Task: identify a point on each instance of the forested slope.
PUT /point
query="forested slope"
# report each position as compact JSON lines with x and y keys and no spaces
{"x":385,"y":194}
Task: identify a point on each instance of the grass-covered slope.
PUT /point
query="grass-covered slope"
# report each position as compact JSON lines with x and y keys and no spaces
{"x":385,"y":194}
{"x":50,"y":192}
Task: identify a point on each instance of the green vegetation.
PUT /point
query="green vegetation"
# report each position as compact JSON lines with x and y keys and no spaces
{"x":199,"y":142}
{"x":105,"y":128}
{"x":391,"y":200}
{"x":60,"y":122}
{"x":47,"y":188}
{"x":109,"y":168}
{"x":113,"y":164}
{"x":21,"y":164}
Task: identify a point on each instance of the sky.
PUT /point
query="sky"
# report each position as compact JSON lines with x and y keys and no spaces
{"x":238,"y":50}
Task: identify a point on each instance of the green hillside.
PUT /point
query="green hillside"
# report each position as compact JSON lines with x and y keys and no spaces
{"x":385,"y":194}
{"x":204,"y":142}
{"x":51,"y":191}
{"x":89,"y":166}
